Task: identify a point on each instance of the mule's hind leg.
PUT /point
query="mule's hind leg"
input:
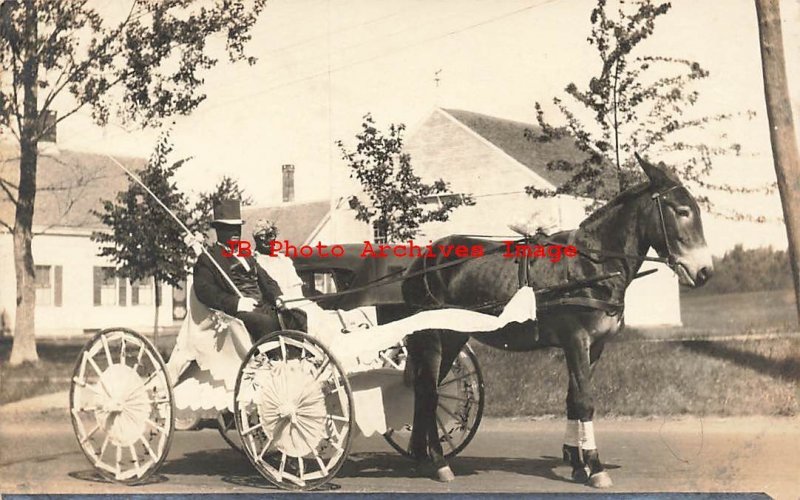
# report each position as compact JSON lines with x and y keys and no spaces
{"x":580,"y":449}
{"x":452,"y":343}
{"x":425,"y":348}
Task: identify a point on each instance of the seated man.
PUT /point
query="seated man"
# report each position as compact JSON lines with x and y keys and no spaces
{"x":257,"y":305}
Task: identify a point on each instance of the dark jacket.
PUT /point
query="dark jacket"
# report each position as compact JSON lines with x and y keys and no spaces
{"x":213,"y":289}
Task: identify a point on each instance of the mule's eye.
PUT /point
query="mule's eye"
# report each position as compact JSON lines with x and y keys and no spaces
{"x":683,"y":211}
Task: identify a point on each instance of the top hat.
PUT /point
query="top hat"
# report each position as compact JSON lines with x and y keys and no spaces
{"x":228,"y":212}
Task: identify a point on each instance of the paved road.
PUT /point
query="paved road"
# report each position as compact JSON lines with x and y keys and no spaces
{"x":38,"y":454}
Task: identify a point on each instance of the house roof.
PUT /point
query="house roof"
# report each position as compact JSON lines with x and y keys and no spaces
{"x":296,"y":221}
{"x":70,"y":184}
{"x":510,"y":137}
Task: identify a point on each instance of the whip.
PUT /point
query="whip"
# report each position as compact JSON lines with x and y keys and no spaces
{"x":180,"y":223}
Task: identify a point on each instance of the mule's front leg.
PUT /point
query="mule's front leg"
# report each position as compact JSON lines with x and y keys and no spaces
{"x":425,"y":349}
{"x":580,"y":449}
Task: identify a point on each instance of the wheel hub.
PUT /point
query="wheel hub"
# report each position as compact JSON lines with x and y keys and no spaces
{"x":124,"y":413}
{"x":291,"y":407}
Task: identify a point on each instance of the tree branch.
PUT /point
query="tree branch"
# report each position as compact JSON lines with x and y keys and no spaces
{"x":4,"y":185}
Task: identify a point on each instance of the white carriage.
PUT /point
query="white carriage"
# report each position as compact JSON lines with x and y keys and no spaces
{"x":288,"y":402}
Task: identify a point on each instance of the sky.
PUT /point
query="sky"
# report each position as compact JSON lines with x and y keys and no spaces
{"x":323,"y":64}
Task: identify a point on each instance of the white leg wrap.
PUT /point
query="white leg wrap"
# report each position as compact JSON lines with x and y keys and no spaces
{"x":572,"y":434}
{"x":586,"y":436}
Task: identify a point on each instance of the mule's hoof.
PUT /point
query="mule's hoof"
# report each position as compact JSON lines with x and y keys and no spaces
{"x":580,"y":475}
{"x":600,"y":480}
{"x":445,"y":475}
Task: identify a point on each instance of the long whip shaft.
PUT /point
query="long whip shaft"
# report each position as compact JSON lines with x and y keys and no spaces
{"x":180,"y":223}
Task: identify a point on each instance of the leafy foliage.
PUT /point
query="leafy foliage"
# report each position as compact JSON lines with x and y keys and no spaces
{"x":226,"y":188}
{"x":752,"y":270}
{"x":634,"y":104}
{"x":395,"y":196}
{"x":143,"y":240}
{"x":151,"y":61}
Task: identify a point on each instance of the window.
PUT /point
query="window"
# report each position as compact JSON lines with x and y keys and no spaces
{"x":318,"y":283}
{"x":48,"y":285}
{"x":179,"y":301}
{"x":378,"y":233}
{"x":105,"y":287}
{"x":324,"y":282}
{"x":142,"y":292}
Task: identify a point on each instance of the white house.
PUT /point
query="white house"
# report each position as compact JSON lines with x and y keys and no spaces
{"x":490,"y":159}
{"x":77,"y":292}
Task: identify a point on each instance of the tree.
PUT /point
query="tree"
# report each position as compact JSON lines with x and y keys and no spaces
{"x":143,"y":241}
{"x":396,"y":197}
{"x":781,"y":128}
{"x":636,"y":103}
{"x":227,"y":188}
{"x":147,"y":66}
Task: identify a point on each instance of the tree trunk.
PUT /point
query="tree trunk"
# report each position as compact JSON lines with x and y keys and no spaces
{"x":781,"y":128}
{"x":157,"y":301}
{"x":24,"y":347}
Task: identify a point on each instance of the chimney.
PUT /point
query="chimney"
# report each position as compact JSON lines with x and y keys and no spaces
{"x":288,"y":183}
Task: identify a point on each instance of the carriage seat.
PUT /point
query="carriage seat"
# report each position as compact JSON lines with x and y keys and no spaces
{"x":208,"y":352}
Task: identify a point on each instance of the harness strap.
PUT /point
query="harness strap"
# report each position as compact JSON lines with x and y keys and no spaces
{"x":523,"y":273}
{"x":427,"y":285}
{"x":670,"y":260}
{"x":611,"y":308}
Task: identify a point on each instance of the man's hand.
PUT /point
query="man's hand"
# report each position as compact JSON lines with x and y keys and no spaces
{"x":195,"y":242}
{"x":280,"y":305}
{"x":246,"y":304}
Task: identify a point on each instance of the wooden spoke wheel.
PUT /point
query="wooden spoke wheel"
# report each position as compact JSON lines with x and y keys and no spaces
{"x":294,"y":410}
{"x":226,"y":425}
{"x":461,"y":400}
{"x":121,"y":405}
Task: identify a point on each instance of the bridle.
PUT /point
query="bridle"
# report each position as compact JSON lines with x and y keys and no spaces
{"x":670,"y":259}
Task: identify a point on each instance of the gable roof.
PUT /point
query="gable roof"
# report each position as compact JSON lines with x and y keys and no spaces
{"x":70,"y":184}
{"x":509,"y":137}
{"x":296,"y":221}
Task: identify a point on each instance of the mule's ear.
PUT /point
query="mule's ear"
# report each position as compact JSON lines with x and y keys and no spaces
{"x":659,"y":175}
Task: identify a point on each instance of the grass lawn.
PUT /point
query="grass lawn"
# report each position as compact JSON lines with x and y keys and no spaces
{"x":633,"y":378}
{"x":746,"y":312}
{"x":756,"y":377}
{"x":52,"y":372}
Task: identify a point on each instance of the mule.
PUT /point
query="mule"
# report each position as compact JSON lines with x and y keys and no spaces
{"x":613,"y":241}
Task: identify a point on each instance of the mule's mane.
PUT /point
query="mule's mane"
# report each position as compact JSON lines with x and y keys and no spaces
{"x":616,"y":201}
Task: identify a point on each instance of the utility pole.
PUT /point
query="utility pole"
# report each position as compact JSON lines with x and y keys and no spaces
{"x":781,"y":128}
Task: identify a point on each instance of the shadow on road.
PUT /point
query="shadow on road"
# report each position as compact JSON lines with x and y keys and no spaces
{"x":93,"y":476}
{"x":233,"y":468}
{"x":208,"y":463}
{"x":787,"y":369}
{"x":381,"y":465}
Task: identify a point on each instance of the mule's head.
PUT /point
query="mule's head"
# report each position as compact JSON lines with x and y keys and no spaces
{"x":674,"y":227}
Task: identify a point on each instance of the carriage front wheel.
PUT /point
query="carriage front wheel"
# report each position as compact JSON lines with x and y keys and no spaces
{"x":294,"y":410}
{"x":121,"y":405}
{"x":461,"y":399}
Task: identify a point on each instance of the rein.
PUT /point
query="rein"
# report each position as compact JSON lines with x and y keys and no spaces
{"x":669,"y":260}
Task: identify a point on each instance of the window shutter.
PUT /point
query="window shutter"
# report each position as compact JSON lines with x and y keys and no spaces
{"x":98,"y":279}
{"x":57,"y":286}
{"x":122,"y":291}
{"x":134,"y":294}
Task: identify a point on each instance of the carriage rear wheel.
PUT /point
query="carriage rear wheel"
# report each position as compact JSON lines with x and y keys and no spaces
{"x":121,"y":405}
{"x":294,"y":410}
{"x":461,"y":400}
